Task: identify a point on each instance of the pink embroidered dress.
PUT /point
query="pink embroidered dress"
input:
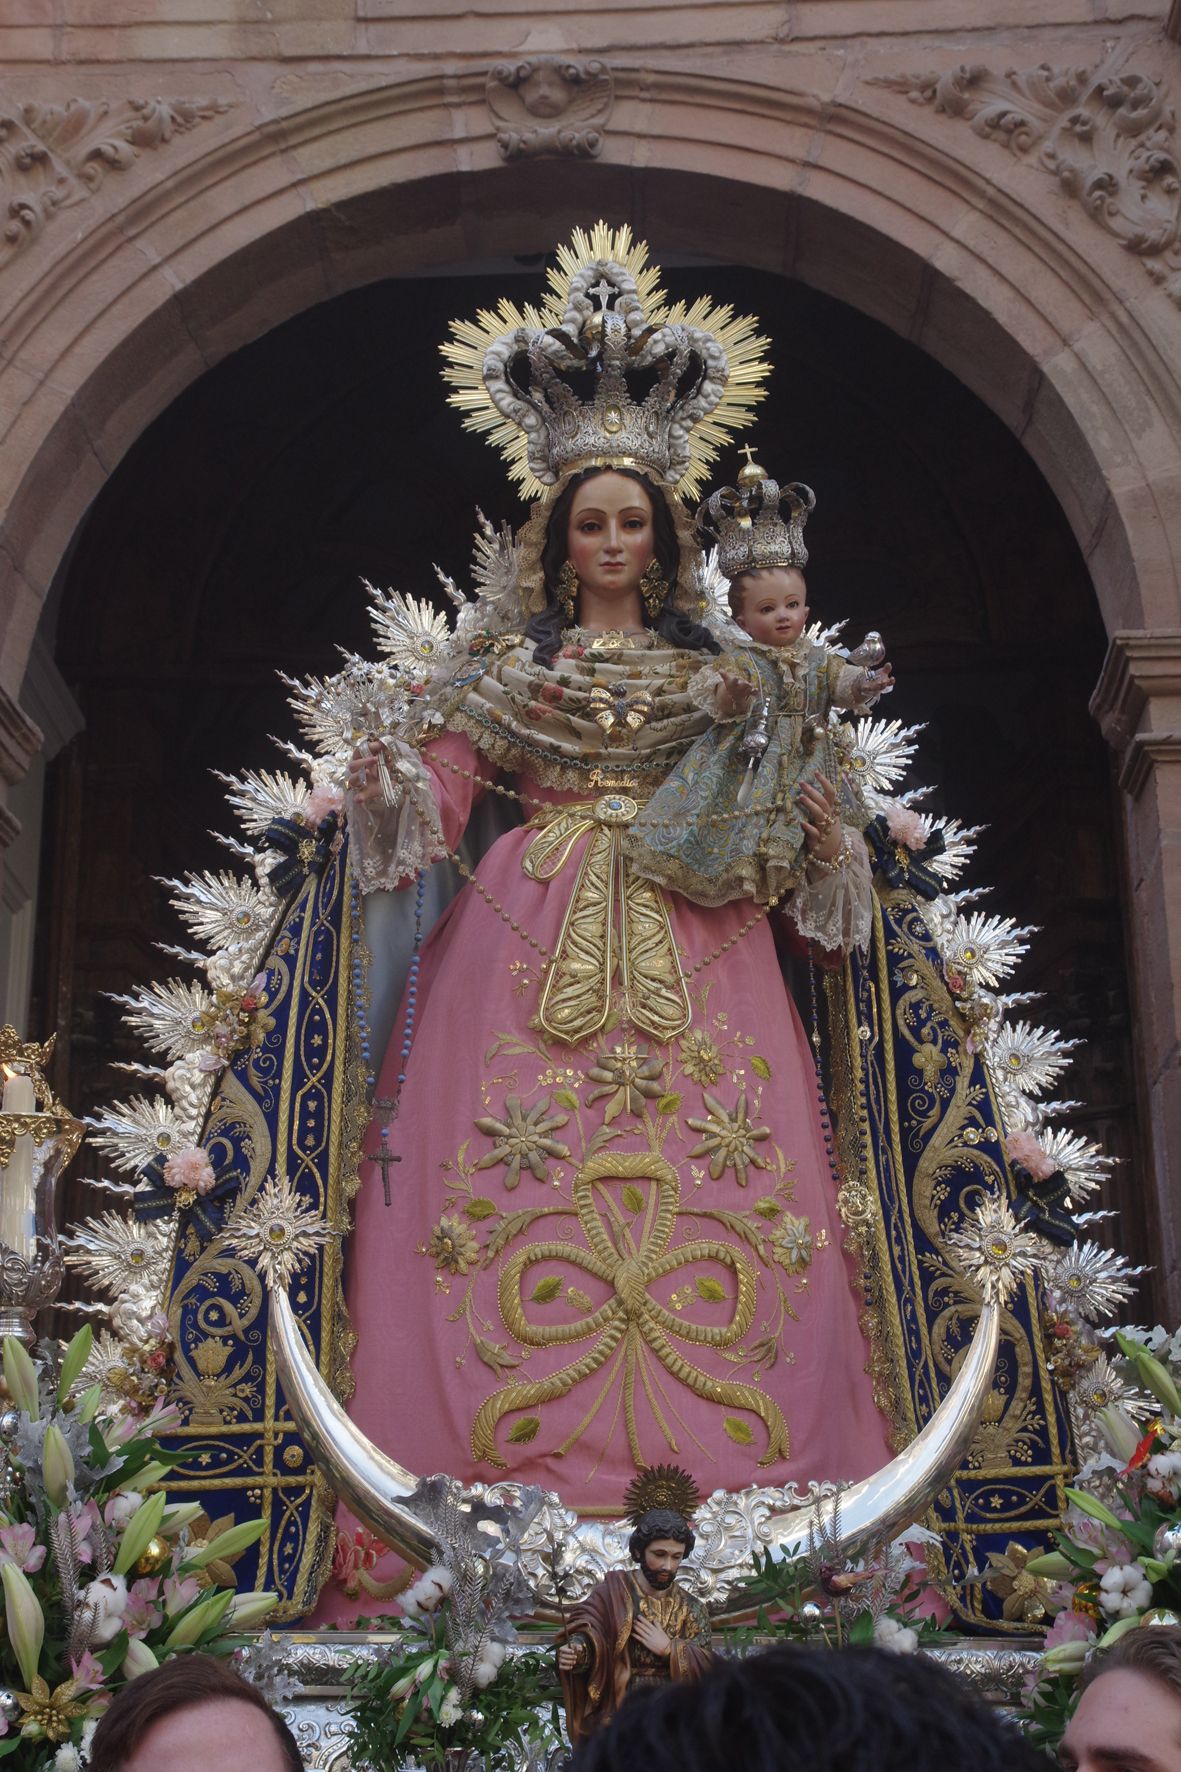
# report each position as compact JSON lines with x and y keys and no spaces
{"x":612,"y":1237}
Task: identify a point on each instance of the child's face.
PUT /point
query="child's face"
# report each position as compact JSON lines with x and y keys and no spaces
{"x":774,"y":612}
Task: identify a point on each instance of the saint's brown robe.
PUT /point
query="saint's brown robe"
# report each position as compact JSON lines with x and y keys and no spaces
{"x":601,"y":1626}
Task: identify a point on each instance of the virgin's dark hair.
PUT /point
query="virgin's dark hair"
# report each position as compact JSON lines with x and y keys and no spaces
{"x":812,"y":1710}
{"x":180,"y":1684}
{"x":659,"y":1522}
{"x":671,"y":624}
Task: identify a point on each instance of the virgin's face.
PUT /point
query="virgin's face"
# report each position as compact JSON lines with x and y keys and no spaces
{"x":609,"y":536}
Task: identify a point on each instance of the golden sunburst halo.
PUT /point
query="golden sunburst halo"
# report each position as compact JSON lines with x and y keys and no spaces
{"x":745,"y":348}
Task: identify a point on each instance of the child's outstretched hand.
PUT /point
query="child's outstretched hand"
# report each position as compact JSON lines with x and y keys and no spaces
{"x":736,"y":697}
{"x":874,"y":683}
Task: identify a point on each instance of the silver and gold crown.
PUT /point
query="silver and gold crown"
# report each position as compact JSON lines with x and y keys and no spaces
{"x":606,"y":372}
{"x":748,"y":523}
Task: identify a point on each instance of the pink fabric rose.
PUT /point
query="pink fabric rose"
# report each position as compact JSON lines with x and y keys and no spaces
{"x":1023,"y":1148}
{"x":190,"y":1168}
{"x":320,"y":804}
{"x":906,"y":826}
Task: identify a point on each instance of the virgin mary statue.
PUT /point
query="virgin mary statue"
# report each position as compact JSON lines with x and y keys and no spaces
{"x":604,"y":1198}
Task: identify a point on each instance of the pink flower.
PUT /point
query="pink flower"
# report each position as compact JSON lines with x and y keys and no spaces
{"x":1023,"y":1148}
{"x":84,"y":1517}
{"x":1070,"y":1627}
{"x":352,"y":1555}
{"x":906,"y":826}
{"x":87,"y":1671}
{"x":179,"y":1591}
{"x":143,"y":1614}
{"x":190,"y":1168}
{"x":320,"y":803}
{"x":18,"y":1544}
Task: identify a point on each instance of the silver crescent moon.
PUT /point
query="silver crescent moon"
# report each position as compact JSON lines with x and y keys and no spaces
{"x":377,"y":1488}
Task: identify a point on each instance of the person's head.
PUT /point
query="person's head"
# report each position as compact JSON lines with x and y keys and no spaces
{"x":611,"y":523}
{"x":771,"y":604}
{"x":660,"y":1543}
{"x":1129,"y":1716}
{"x":812,"y":1710}
{"x":192,"y":1712}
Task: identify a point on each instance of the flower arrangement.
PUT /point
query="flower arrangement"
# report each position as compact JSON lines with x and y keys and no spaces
{"x":440,"y":1698}
{"x":823,"y":1597}
{"x":1116,"y":1565}
{"x":101,"y":1580}
{"x":448,"y":1689}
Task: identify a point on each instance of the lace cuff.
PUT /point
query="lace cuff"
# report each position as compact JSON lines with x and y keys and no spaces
{"x":709,"y":691}
{"x":392,"y":842}
{"x":850,"y":678}
{"x":835,"y":908}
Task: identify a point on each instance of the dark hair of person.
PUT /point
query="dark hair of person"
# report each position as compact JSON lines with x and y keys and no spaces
{"x":659,"y":1522}
{"x":179,"y":1684}
{"x":673,"y":625}
{"x":1151,"y":1649}
{"x":796,"y":1709}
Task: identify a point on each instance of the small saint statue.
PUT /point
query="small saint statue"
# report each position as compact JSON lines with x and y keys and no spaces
{"x":637,"y":1627}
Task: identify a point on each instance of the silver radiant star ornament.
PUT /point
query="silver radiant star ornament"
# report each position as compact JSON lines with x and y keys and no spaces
{"x":994,"y":1251}
{"x":276,"y":1232}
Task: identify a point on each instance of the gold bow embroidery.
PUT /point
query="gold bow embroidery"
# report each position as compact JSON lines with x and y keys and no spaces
{"x":613,"y":706}
{"x":576,"y":996}
{"x":631,"y":1325}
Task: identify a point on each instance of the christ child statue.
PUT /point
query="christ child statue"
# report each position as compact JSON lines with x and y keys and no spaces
{"x":753,"y":801}
{"x":637,"y":1627}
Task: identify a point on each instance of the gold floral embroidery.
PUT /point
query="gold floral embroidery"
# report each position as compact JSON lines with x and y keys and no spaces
{"x":453,"y":1246}
{"x":701,"y":1058}
{"x":523,"y":1139}
{"x":628,"y":1076}
{"x":729,"y":1139}
{"x":631,"y":1324}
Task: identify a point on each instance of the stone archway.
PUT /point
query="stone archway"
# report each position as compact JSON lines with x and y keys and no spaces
{"x":1057,"y":330}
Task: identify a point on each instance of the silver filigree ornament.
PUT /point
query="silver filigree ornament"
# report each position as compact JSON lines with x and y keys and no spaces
{"x":276,"y":1231}
{"x":1090,"y":1282}
{"x":986,"y":949}
{"x":135,"y":1132}
{"x":1102,"y":1386}
{"x":222,"y":910}
{"x":878,"y":753}
{"x":996,"y":1254}
{"x":119,"y":1254}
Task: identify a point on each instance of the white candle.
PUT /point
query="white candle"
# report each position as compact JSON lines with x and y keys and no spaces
{"x":18,"y":1223}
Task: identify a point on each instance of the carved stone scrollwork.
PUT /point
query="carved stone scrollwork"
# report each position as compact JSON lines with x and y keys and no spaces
{"x":1106,"y":135}
{"x":550,"y":105}
{"x":53,"y":156}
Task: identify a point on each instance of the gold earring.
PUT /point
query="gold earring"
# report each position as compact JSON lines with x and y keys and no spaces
{"x":653,"y":588}
{"x":568,"y":590}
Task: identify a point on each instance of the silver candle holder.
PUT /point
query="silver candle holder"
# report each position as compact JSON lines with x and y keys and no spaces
{"x":37,"y":1139}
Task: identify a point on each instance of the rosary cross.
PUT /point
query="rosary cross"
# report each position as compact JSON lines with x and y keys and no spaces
{"x":384,"y":1156}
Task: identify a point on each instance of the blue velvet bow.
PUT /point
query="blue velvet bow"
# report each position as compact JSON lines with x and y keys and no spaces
{"x":902,"y":868}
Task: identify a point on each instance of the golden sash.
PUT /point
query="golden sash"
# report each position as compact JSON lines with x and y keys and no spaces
{"x":615,"y":921}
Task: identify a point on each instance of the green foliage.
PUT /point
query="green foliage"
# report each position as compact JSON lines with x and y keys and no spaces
{"x":398,"y":1703}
